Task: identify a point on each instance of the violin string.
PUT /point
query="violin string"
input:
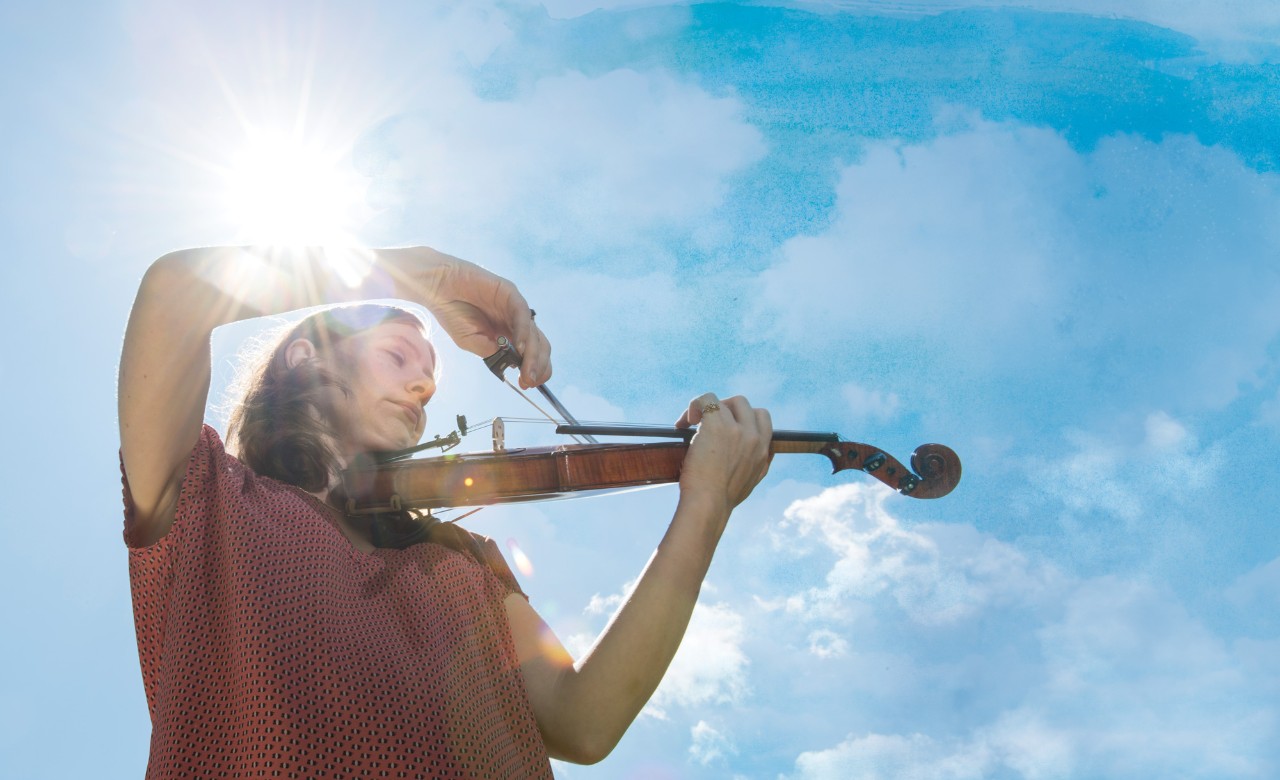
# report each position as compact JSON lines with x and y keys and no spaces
{"x":463,"y":516}
{"x":531,"y":402}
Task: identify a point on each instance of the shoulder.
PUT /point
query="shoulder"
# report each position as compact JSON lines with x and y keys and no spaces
{"x":208,"y":472}
{"x":480,"y":549}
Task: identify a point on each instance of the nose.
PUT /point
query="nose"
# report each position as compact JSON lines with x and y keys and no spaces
{"x":422,"y":388}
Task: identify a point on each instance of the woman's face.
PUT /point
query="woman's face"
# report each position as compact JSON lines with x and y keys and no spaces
{"x":390,"y":370}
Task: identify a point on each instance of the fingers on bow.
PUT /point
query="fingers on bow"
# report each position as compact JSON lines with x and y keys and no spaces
{"x":535,"y":369}
{"x":530,"y":342}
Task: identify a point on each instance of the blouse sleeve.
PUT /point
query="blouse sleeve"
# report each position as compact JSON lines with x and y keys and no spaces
{"x":483,"y":549}
{"x":208,"y":460}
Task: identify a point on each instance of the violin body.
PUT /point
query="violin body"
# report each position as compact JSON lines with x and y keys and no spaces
{"x":541,"y":473}
{"x":510,"y":476}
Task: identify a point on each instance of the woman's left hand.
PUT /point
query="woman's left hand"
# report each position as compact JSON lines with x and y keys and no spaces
{"x":730,"y":454}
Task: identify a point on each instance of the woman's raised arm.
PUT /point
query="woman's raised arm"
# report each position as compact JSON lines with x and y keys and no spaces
{"x":583,"y":709}
{"x":164,"y":366}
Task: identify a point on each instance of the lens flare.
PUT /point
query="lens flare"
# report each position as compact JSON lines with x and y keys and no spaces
{"x":281,"y":188}
{"x":522,"y":562}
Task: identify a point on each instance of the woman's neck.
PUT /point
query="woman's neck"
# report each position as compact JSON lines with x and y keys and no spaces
{"x":357,"y":533}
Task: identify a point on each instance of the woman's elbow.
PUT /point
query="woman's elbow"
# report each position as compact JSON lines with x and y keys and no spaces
{"x":166,"y":275}
{"x":583,"y":747}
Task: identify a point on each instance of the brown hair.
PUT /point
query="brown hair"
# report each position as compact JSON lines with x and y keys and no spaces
{"x":281,"y":427}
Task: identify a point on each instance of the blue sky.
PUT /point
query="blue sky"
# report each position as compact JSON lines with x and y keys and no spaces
{"x":1046,"y":236}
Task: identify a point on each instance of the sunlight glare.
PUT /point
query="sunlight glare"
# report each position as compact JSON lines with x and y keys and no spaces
{"x":522,"y":562}
{"x":282,"y":189}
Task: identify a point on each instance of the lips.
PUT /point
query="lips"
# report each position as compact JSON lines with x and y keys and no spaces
{"x":413,"y":412}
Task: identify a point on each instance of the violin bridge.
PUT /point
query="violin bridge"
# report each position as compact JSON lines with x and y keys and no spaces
{"x":499,"y":435}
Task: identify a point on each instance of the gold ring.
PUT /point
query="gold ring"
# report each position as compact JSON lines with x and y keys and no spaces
{"x":711,"y":407}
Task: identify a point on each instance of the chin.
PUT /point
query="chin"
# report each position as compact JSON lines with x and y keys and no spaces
{"x":406,"y":440}
{"x":399,"y":444}
{"x":388,"y":442}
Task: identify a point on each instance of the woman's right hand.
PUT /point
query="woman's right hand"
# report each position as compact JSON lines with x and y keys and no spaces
{"x":474,"y":306}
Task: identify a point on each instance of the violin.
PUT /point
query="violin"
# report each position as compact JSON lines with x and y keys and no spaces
{"x":541,"y":473}
{"x":392,"y":483}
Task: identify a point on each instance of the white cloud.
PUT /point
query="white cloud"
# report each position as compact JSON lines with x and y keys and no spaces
{"x":1258,"y":588}
{"x":709,"y":745}
{"x":648,"y":314}
{"x":591,"y":163}
{"x":1269,"y":411}
{"x":1029,"y":746}
{"x":936,"y":574}
{"x":606,"y":605}
{"x":870,"y":404}
{"x":943,"y":240}
{"x":1233,"y":24}
{"x":1123,"y":479}
{"x":1116,"y":626}
{"x":1258,"y":660}
{"x":1137,"y":681}
{"x":1131,"y":685}
{"x":998,"y":252}
{"x":892,"y":757}
{"x":710,"y":666}
{"x":825,"y":643}
{"x":474,"y":29}
{"x":1126,"y":681}
{"x":587,"y":406}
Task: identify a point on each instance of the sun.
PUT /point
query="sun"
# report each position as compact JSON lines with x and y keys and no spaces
{"x":281,"y":188}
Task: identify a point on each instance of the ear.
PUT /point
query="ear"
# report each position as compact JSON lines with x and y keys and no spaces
{"x":298,"y":352}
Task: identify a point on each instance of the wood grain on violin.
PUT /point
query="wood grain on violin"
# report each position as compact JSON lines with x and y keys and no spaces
{"x":534,"y":474}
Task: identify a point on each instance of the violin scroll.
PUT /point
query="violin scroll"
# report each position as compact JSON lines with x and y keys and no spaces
{"x":934,"y":472}
{"x":939,"y":466}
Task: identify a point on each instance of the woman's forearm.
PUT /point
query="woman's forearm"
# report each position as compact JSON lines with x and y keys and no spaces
{"x":583,"y":709}
{"x":588,"y":706}
{"x":234,"y":283}
{"x":637,"y":647}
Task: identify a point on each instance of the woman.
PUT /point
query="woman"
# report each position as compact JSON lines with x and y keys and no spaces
{"x":280,"y":637}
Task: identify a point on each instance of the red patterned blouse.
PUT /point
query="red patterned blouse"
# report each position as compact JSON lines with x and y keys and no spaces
{"x":271,"y":647}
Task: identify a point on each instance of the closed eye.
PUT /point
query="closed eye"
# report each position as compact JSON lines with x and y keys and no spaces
{"x":397,"y":357}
